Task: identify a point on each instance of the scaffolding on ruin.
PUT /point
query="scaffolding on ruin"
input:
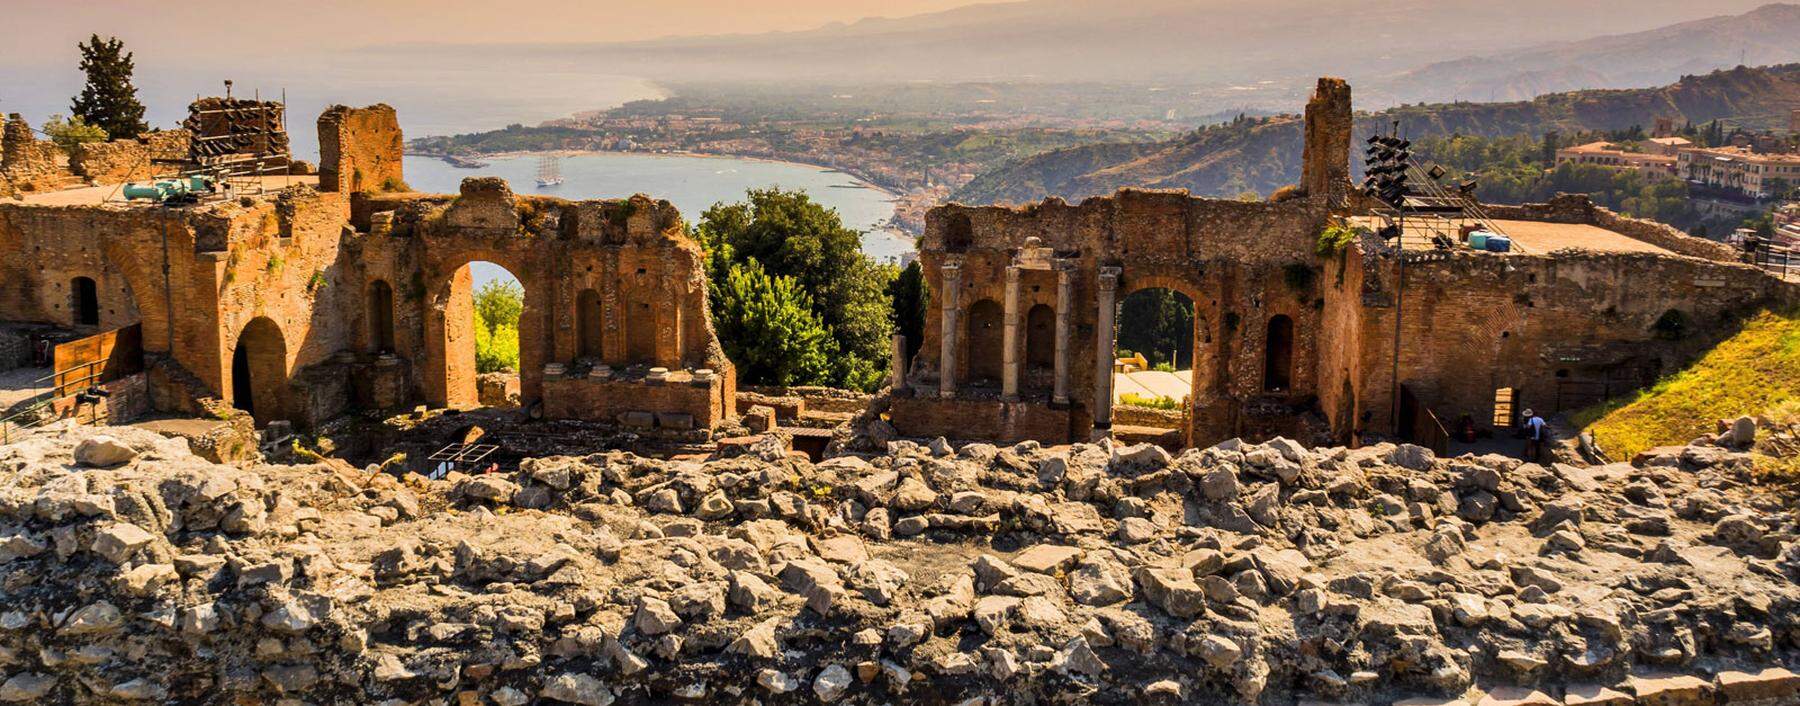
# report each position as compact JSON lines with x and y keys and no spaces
{"x":232,"y":141}
{"x":237,"y":140}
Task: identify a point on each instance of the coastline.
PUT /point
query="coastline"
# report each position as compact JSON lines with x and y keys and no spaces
{"x":515,"y":154}
{"x":889,"y":195}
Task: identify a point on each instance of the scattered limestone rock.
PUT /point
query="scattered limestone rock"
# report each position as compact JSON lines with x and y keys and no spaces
{"x":101,"y":451}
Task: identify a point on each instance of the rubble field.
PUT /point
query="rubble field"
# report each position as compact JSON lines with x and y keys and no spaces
{"x":133,"y":571}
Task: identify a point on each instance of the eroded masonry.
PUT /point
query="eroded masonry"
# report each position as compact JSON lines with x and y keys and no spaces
{"x":314,"y":294}
{"x":1289,"y":340}
{"x":304,"y":298}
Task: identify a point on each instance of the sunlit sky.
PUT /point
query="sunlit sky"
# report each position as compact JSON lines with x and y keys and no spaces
{"x":45,"y":31}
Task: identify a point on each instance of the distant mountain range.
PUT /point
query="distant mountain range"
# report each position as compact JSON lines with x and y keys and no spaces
{"x":1188,"y":41}
{"x":1262,"y":155}
{"x":1765,"y":36}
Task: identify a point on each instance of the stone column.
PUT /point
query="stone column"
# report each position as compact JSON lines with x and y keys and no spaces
{"x":1009,"y":373}
{"x":1108,"y":282}
{"x":950,"y":279}
{"x":897,"y":372}
{"x":1065,"y":298}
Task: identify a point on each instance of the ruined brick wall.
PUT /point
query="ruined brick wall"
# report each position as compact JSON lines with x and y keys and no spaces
{"x":227,"y":264}
{"x":1566,"y":331}
{"x":607,"y":283}
{"x":1351,"y":283}
{"x":279,"y":265}
{"x":119,"y":161}
{"x":28,"y":164}
{"x":360,"y":149}
{"x":1242,"y":264}
{"x":44,"y":250}
{"x":675,"y":405}
{"x":1325,"y":161}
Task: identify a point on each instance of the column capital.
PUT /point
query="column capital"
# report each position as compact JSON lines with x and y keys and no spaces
{"x":1109,"y":278}
{"x":1012,"y":274}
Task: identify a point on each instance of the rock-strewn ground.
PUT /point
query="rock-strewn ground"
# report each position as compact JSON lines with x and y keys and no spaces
{"x":131,"y":570}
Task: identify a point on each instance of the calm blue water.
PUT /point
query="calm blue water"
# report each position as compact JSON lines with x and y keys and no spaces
{"x":693,"y":184}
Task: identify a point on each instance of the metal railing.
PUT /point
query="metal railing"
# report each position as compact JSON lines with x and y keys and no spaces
{"x":57,"y":386}
{"x":1775,"y":259}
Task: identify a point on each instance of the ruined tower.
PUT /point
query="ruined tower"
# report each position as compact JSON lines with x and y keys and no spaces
{"x":1326,"y":166}
{"x":360,"y":149}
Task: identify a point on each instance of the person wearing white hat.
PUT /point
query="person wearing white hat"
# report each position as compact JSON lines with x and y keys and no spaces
{"x":1534,"y":436}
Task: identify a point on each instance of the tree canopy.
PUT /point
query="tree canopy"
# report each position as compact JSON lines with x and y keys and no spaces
{"x":109,"y":100}
{"x":768,"y":328}
{"x":498,"y":305}
{"x":788,"y":235}
{"x":1158,"y":323}
{"x":71,"y":132}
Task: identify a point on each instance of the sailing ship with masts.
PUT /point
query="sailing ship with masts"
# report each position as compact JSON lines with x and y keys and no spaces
{"x":549,"y":172}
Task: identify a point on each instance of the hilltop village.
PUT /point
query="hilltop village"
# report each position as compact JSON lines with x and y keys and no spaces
{"x":268,"y":471}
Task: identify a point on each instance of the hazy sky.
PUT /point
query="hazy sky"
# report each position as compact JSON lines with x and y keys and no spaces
{"x":45,"y":31}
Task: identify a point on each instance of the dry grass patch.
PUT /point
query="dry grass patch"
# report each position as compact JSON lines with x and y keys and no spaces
{"x":1753,"y":372}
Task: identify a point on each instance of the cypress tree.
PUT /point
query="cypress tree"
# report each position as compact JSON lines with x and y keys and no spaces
{"x":109,"y":101}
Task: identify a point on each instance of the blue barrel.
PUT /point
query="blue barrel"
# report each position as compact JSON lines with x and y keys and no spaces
{"x":1499,"y":243}
{"x":1478,"y":240}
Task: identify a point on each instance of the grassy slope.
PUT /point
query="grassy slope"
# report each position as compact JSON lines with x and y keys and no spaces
{"x":1749,"y":373}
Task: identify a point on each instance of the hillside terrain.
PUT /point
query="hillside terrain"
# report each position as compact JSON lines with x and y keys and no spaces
{"x":1756,"y":371}
{"x":1264,"y":154}
{"x":1761,"y":37}
{"x":1236,"y":41}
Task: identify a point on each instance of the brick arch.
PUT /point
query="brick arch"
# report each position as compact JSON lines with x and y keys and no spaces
{"x":447,"y":374}
{"x":1204,"y":381}
{"x":258,"y":375}
{"x":1130,"y":284}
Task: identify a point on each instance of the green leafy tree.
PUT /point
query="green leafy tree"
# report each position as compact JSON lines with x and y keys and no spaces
{"x":72,"y":132}
{"x":1160,"y":324}
{"x":908,"y":293}
{"x":497,"y":303}
{"x":769,"y":330}
{"x":109,"y":101}
{"x":790,"y":235}
{"x":497,"y":349}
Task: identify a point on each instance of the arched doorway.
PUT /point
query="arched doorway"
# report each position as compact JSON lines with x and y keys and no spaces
{"x":259,"y":371}
{"x":487,"y":302}
{"x":381,"y":317}
{"x":1157,"y":324}
{"x":986,"y":337}
{"x":84,"y":301}
{"x":589,"y":323}
{"x":1154,"y":373}
{"x":1278,"y":355}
